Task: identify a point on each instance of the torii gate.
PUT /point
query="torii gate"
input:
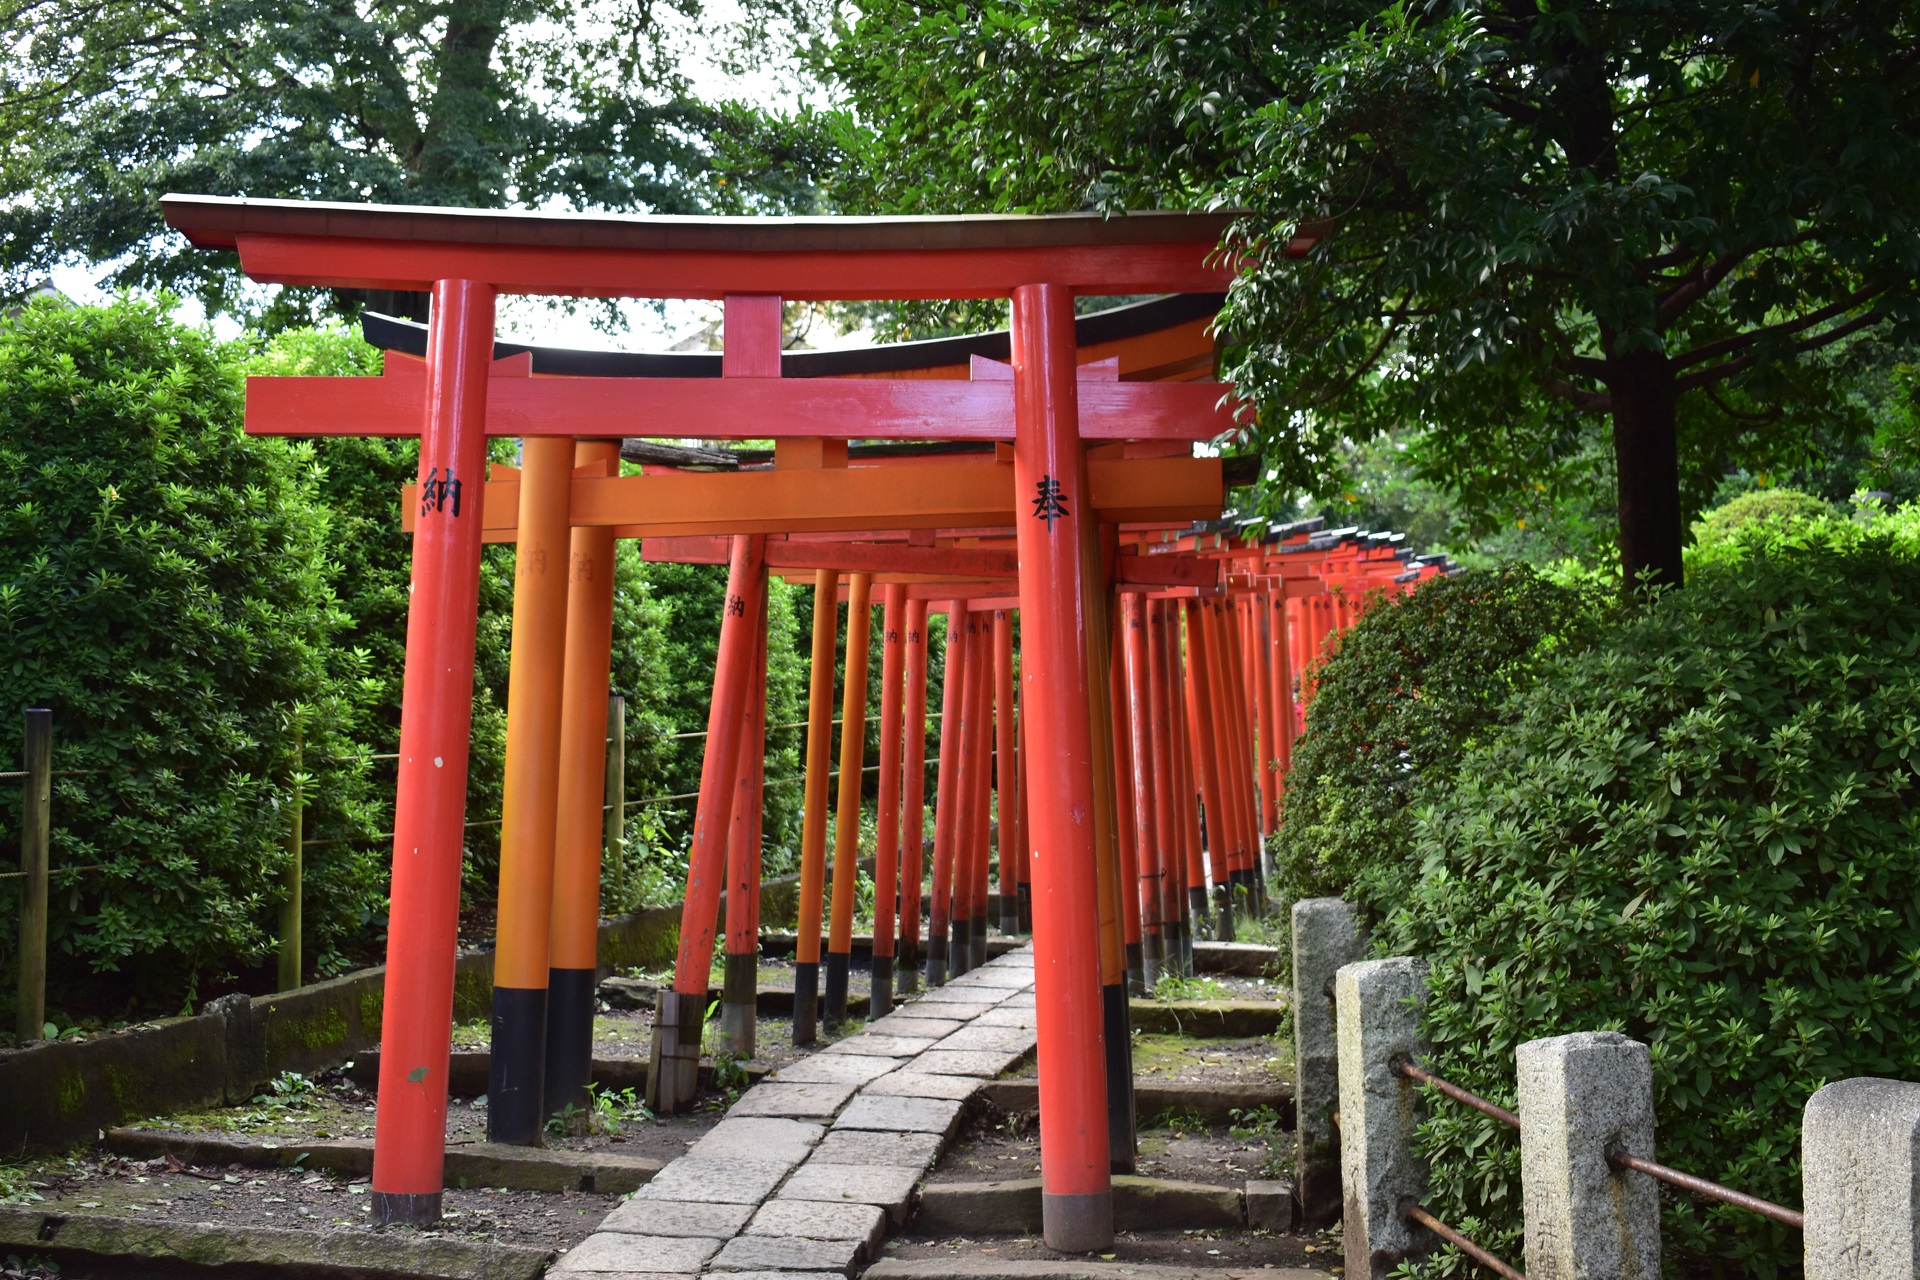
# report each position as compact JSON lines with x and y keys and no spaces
{"x":466,"y":258}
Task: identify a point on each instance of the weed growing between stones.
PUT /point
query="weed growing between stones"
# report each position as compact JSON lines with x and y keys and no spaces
{"x":1172,"y":987}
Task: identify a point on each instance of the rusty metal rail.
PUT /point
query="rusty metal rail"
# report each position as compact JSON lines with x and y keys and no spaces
{"x":1711,"y":1190}
{"x":1466,"y":1246}
{"x":1458,"y":1094}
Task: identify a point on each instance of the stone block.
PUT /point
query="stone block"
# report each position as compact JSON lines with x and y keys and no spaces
{"x":993,"y":977}
{"x":1581,"y":1096}
{"x":1006,"y":1039}
{"x":900,"y":1115}
{"x":890,"y":1187}
{"x":945,"y":1010}
{"x":786,"y":1253}
{"x":1007,"y":1016}
{"x":868,"y":1045}
{"x":617,"y":1252}
{"x":981,"y":998}
{"x":1377,"y":1012}
{"x":708,"y":1219}
{"x":1860,"y":1180}
{"x":915,"y":1084}
{"x":835,"y":1068}
{"x":1247,"y":959}
{"x":869,"y":1146}
{"x":901,"y":1024}
{"x":1326,"y":937}
{"x":794,"y":1101}
{"x":1019,"y":1000}
{"x":1150,"y":1204}
{"x":985,"y":1063}
{"x":979,"y":1208}
{"x":691,"y":1179}
{"x":1270,"y":1206}
{"x":818,"y":1220}
{"x":759,"y":1138}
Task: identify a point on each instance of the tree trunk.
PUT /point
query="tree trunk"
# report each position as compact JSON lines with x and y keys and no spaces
{"x":1646,"y":451}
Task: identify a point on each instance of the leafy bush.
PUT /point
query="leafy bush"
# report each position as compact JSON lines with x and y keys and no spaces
{"x":1777,"y":506}
{"x":1409,"y":686}
{"x":166,"y":592}
{"x":1701,"y":833}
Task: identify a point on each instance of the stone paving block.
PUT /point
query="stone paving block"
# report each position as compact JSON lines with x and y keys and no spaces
{"x":1006,"y":1015}
{"x":711,"y":1220}
{"x":888,"y":1186}
{"x":802,"y":1101}
{"x":983,"y":997}
{"x":990,"y":977}
{"x":1018,"y":1000}
{"x":900,"y":1115}
{"x":835,"y":1068}
{"x":906,"y":1024}
{"x":693,"y":1180}
{"x":773,"y":1275}
{"x":761,"y":1138}
{"x":916,"y":1084}
{"x":948,"y":1010}
{"x":866,"y":1146}
{"x":785,"y":1253}
{"x":865,"y":1224}
{"x":1004,"y":1039}
{"x":621,"y":1253}
{"x":869,"y":1045}
{"x":985,"y":1063}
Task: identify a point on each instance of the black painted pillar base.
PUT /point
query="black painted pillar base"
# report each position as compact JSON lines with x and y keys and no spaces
{"x":908,"y":967}
{"x":517,"y":1067}
{"x":739,"y":1014}
{"x":806,"y":1003}
{"x":838,"y":966}
{"x":1223,"y":911}
{"x":957,"y":947}
{"x":1010,"y":913}
{"x":880,"y":1004}
{"x":977,"y":943}
{"x":1137,"y":980}
{"x":570,"y":996}
{"x":1197,"y":917}
{"x":1119,"y":1037}
{"x":674,"y":1080}
{"x":938,"y":947}
{"x":400,"y":1209}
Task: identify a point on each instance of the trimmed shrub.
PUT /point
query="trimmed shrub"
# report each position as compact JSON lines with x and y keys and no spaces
{"x":1410,"y":685}
{"x":1701,"y":833}
{"x":1777,"y":507}
{"x":166,"y":593}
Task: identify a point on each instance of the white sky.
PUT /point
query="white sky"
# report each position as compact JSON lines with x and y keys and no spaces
{"x":650,"y":326}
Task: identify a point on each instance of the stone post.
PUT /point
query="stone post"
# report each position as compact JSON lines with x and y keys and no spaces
{"x":1326,"y":936}
{"x":1581,"y":1096}
{"x":1377,"y":1005}
{"x":1860,"y":1170}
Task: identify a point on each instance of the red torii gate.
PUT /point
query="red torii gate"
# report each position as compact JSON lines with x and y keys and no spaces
{"x":466,"y":258}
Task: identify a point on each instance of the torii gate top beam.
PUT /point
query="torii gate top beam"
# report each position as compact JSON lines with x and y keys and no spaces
{"x":652,"y":256}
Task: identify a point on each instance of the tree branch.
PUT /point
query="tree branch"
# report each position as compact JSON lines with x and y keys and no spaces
{"x":1591,"y":401}
{"x":1726,"y":369}
{"x":1739,"y":341}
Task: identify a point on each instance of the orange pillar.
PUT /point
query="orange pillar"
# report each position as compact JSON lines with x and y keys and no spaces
{"x":681,"y":1013}
{"x":965,"y":737}
{"x":1168,"y":779}
{"x":813,"y":812}
{"x":982,"y":796}
{"x":1005,"y":771}
{"x":1149,"y":885}
{"x":946,"y":794}
{"x":887,"y":830}
{"x":739,"y":996}
{"x":846,"y":832}
{"x":430,"y":800}
{"x":1258,"y":649}
{"x":913,"y":809}
{"x":1186,"y":775}
{"x":1050,"y":483}
{"x":530,"y":795}
{"x":1023,"y":846}
{"x":580,"y":817}
{"x":1200,"y":719}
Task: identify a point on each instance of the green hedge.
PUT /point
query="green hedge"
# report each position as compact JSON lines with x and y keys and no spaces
{"x":1409,"y":686}
{"x":1702,"y":833}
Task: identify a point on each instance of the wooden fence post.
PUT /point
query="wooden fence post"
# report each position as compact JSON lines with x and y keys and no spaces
{"x":616,"y":857}
{"x":290,"y":878}
{"x":35,"y":829}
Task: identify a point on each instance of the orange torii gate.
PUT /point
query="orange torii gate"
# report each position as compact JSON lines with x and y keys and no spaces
{"x":466,"y":258}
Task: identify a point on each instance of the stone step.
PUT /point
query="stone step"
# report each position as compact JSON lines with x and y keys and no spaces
{"x":989,"y":1268}
{"x":1208,"y":1019}
{"x":1013,"y":1207}
{"x":1213,"y":1103}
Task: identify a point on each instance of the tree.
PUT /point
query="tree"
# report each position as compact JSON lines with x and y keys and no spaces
{"x":1521,"y":215}
{"x":110,"y":103}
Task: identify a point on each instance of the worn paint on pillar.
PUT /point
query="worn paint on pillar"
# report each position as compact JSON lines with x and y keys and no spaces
{"x":1052,"y":512}
{"x":436,"y":721}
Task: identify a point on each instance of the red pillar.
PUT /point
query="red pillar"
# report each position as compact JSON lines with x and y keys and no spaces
{"x":436,"y":721}
{"x":1148,"y":890}
{"x":1023,"y":846}
{"x":946,"y":793}
{"x":966,"y":739}
{"x":1004,"y":770}
{"x":913,"y":809}
{"x":1257,"y":651}
{"x":739,"y":997}
{"x":813,"y":812}
{"x":1187,"y":776}
{"x":1201,"y":718}
{"x":682,"y":1011}
{"x":846,"y":829}
{"x":886,"y":852}
{"x":982,"y":795}
{"x":1052,"y":523}
{"x":1168,"y":776}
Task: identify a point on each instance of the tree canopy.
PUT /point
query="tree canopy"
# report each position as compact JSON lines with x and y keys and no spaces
{"x":1685,"y":220}
{"x":108,"y":104}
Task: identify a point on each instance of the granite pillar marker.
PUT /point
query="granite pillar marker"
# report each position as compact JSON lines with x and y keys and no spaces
{"x":1326,"y":936}
{"x":1377,"y":1012}
{"x":1580,"y":1097}
{"x":1860,"y":1171}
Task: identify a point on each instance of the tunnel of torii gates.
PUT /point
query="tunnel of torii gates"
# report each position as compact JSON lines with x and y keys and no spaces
{"x":1058,"y":486}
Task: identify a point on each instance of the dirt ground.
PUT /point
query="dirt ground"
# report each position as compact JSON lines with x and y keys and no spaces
{"x":1190,"y":1060}
{"x":1210,"y":1249}
{"x":996,"y":1146}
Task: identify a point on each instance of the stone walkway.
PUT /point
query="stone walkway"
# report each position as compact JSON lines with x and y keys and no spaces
{"x":812,"y":1166}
